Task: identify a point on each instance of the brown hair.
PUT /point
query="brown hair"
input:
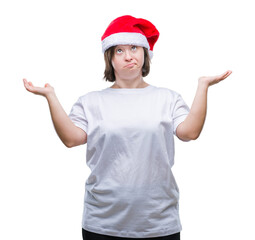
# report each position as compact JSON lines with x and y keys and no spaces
{"x":109,"y":71}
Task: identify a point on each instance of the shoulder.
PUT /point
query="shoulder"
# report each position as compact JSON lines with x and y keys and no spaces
{"x":168,"y":92}
{"x":89,"y":95}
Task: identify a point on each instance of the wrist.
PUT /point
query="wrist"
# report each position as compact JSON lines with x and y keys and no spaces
{"x":203,"y":84}
{"x":50,"y":96}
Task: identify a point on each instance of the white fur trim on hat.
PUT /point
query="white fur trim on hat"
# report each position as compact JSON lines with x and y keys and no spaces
{"x":125,"y":38}
{"x":150,"y":54}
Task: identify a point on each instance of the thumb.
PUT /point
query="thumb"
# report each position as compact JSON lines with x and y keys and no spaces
{"x":47,"y":85}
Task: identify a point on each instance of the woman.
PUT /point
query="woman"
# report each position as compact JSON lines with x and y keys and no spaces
{"x":129,"y":129}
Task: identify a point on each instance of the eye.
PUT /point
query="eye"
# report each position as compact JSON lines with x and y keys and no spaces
{"x":133,"y":48}
{"x":119,"y":50}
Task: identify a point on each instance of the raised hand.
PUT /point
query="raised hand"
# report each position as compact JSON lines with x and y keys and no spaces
{"x":69,"y":134}
{"x":214,"y":79}
{"x":191,"y":127}
{"x":43,"y":91}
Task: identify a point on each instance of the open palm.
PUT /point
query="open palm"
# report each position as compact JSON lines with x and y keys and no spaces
{"x":215,"y":79}
{"x":44,"y":91}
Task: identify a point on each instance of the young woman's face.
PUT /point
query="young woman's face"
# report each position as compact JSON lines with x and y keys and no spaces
{"x":128,"y":61}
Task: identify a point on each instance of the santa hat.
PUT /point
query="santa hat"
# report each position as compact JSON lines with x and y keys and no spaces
{"x":128,"y":30}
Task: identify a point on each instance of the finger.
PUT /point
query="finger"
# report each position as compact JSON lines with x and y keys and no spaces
{"x":30,"y":84}
{"x":25,"y":82}
{"x":26,"y":85}
{"x":227,"y":73}
{"x":224,"y":75}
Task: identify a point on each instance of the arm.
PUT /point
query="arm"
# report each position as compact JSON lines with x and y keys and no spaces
{"x":69,"y":134}
{"x":191,"y":127}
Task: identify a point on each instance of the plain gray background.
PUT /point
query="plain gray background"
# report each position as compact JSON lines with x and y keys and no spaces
{"x":42,"y":181}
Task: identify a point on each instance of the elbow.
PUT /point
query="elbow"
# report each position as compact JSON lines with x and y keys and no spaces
{"x":68,"y":144}
{"x":187,"y":132}
{"x":194,"y":138}
{"x":194,"y":135}
{"x":187,"y":135}
{"x":73,"y":143}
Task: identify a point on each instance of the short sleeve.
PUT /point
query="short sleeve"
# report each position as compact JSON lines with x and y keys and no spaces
{"x":180,"y":112}
{"x":77,"y":115}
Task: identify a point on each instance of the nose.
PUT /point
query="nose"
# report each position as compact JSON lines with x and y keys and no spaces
{"x":128,"y":55}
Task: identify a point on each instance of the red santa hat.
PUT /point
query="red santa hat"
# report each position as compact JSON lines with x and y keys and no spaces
{"x":128,"y":30}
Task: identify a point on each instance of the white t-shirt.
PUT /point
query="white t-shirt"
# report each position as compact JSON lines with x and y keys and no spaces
{"x":131,"y":191}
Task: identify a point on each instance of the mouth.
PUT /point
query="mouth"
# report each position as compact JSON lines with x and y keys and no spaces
{"x":130,"y":65}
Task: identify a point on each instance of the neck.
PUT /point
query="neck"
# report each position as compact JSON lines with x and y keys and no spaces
{"x":136,"y":83}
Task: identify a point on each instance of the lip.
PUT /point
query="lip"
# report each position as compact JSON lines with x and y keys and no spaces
{"x":130,"y":65}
